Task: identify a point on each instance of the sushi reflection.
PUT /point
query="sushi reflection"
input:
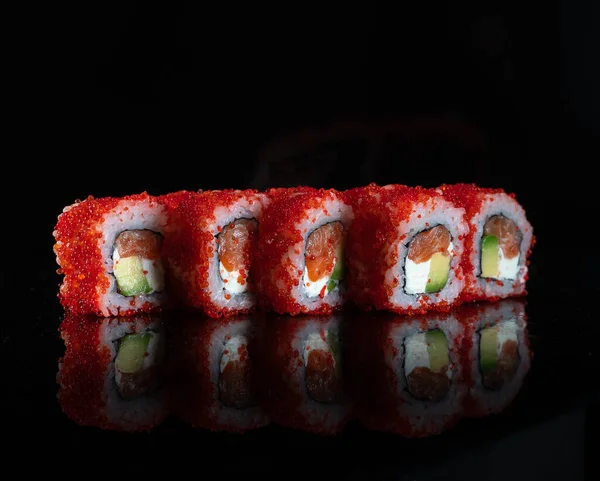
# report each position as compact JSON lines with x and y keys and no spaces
{"x":406,"y":372}
{"x":418,"y":376}
{"x":212,"y":373}
{"x":111,"y":375}
{"x":301,"y":383}
{"x":497,"y":355}
{"x":412,"y":376}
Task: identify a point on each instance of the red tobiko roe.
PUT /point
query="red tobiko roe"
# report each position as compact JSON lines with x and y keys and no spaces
{"x":190,"y":247}
{"x":83,"y":371}
{"x":471,"y":198}
{"x":373,"y":225}
{"x":79,"y":255}
{"x":275,"y":276}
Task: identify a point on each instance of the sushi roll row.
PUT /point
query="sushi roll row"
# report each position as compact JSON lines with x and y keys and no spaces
{"x":294,"y":251}
{"x":414,"y":376}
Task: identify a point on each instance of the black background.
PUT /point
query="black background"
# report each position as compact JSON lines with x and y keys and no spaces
{"x":131,"y":97}
{"x":123,"y":97}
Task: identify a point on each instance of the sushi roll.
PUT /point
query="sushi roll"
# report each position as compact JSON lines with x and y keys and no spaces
{"x":110,"y":252}
{"x":300,"y":262}
{"x":301,"y":363}
{"x":404,"y":249}
{"x":498,"y":244}
{"x":212,"y":374}
{"x":111,"y":375}
{"x":406,"y":372}
{"x":210,"y":245}
{"x":497,"y":354}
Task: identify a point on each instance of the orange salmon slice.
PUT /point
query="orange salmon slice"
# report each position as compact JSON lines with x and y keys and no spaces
{"x":142,"y":243}
{"x":321,"y":247}
{"x":237,"y":242}
{"x":235,"y":384}
{"x":508,"y":234}
{"x":429,"y":242}
{"x":321,"y":377}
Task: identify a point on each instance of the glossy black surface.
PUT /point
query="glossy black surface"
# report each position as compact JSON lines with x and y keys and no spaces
{"x":500,"y":96}
{"x":545,"y":428}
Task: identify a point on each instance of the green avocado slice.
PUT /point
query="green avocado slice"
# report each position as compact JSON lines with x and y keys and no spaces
{"x":437,"y":347}
{"x":339,"y":270}
{"x":487,"y":349}
{"x":489,"y":256}
{"x":438,"y":272}
{"x":131,"y":280}
{"x":132,"y":351}
{"x":334,"y":344}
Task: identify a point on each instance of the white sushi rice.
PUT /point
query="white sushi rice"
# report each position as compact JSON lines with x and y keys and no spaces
{"x":424,"y":415}
{"x":146,"y":410}
{"x":322,"y":416}
{"x":231,"y":294}
{"x":512,"y":283}
{"x":431,"y":213}
{"x":509,"y":316}
{"x":229,"y":337}
{"x":331,"y":210}
{"x":130,"y":215}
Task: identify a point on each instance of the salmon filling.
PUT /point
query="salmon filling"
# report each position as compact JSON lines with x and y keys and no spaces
{"x":134,"y":385}
{"x":236,"y":245}
{"x":322,"y":373}
{"x":500,"y":248}
{"x":138,"y":365}
{"x":235,"y":374}
{"x":324,"y":259}
{"x":498,"y":355}
{"x":137,"y":264}
{"x":426,"y":365}
{"x":428,"y":259}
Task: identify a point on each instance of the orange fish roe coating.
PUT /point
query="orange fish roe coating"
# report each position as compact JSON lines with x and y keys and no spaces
{"x":378,"y":211}
{"x":83,"y":369}
{"x":194,"y":397}
{"x":276,"y":273}
{"x":171,"y":201}
{"x":190,"y":247}
{"x":472,"y":198}
{"x":78,"y":235}
{"x":370,"y":231}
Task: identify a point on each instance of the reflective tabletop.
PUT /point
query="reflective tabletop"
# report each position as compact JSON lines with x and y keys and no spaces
{"x":361,"y":393}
